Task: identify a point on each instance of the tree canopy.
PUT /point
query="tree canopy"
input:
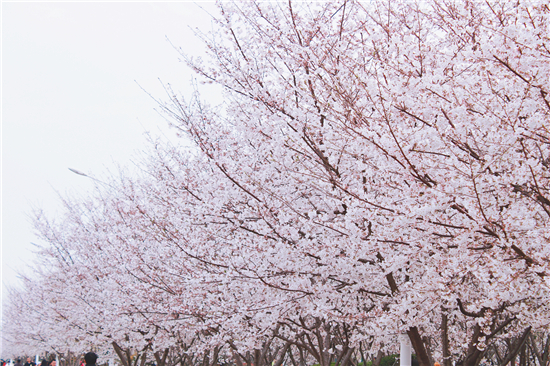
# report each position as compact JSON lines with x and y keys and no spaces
{"x":376,"y":168}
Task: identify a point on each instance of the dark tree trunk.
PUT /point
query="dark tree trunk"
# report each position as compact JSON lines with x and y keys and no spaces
{"x":378,"y":358}
{"x":161,"y":358}
{"x":419,"y":347}
{"x":445,"y":340}
{"x":473,"y":354}
{"x":516,"y":347}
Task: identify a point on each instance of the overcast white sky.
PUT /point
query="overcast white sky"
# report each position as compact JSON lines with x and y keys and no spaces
{"x":70,"y":98}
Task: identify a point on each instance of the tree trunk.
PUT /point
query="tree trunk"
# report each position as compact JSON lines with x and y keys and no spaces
{"x":378,"y":358}
{"x":161,"y":359}
{"x":291,"y":357}
{"x":121,"y":354}
{"x":419,"y":347}
{"x":445,"y":340}
{"x":515,"y":348}
{"x":473,"y":355}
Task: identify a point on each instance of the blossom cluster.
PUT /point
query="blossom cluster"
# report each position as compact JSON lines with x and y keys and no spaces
{"x":376,"y":169}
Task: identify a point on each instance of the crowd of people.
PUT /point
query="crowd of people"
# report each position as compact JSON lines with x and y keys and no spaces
{"x":89,"y":359}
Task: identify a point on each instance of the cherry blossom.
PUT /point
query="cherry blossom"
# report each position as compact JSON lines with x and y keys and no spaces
{"x":375,"y":169}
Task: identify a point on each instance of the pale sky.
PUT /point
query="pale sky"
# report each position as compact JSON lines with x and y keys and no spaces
{"x":70,"y":98}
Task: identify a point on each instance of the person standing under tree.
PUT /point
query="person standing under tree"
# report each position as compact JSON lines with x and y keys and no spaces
{"x":90,"y":358}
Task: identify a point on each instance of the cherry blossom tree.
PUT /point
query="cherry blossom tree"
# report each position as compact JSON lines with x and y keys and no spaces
{"x":411,"y":137}
{"x":375,"y":169}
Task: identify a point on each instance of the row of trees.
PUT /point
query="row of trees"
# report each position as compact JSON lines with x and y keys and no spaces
{"x":376,"y":169}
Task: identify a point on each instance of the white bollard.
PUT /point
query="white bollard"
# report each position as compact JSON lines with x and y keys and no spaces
{"x":405,"y":352}
{"x":36,"y":360}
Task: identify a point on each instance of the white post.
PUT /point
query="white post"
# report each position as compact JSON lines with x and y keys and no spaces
{"x":405,"y":353}
{"x":57,"y":360}
{"x":36,"y":360}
